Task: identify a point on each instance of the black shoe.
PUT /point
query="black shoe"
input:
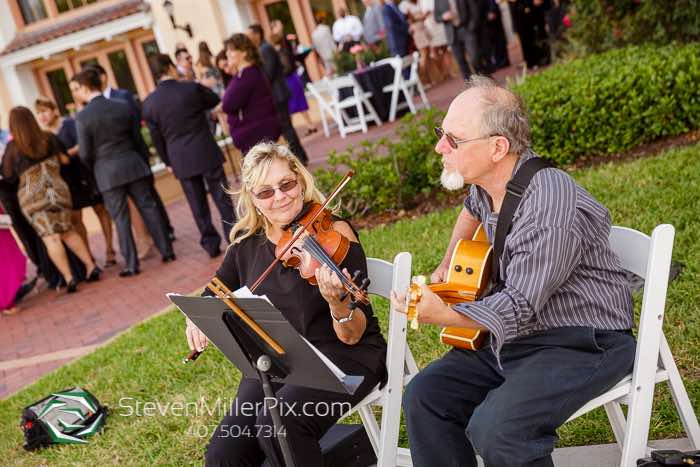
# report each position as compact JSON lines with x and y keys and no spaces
{"x":216,"y":253}
{"x":72,"y":286}
{"x":25,"y":289}
{"x":171,"y":236}
{"x":94,"y":275}
{"x":169,"y":258}
{"x":128,"y":272}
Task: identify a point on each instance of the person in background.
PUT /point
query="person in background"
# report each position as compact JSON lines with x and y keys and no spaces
{"x":144,"y":242}
{"x":421,"y":37}
{"x":185,"y":68}
{"x":222,"y":66}
{"x":176,"y":114}
{"x":33,"y":157}
{"x":396,"y":27}
{"x":495,"y":37}
{"x":440,"y":59}
{"x":372,"y":23}
{"x":276,"y":73}
{"x":461,"y":21}
{"x":323,"y":43}
{"x":109,"y":140}
{"x":297,"y":100}
{"x":347,"y":30}
{"x":81,"y":182}
{"x":4,"y":139}
{"x":248,"y":100}
{"x":205,"y":61}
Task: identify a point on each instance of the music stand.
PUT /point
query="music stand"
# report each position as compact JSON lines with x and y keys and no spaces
{"x":273,"y":351}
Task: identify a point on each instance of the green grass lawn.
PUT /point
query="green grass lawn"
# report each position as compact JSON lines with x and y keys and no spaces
{"x":144,"y":365}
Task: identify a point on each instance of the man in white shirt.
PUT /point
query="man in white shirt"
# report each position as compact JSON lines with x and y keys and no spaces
{"x":347,"y":29}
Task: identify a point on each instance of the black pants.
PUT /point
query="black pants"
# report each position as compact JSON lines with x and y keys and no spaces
{"x":195,"y":188}
{"x":159,"y":204}
{"x":246,"y":438}
{"x":466,"y":41}
{"x":464,"y":402}
{"x":290,"y":133}
{"x":140,"y":192}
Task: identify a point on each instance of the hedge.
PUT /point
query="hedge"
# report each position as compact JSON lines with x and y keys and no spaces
{"x":611,"y":102}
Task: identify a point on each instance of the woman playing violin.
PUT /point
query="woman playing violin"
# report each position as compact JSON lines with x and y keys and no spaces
{"x":276,"y":189}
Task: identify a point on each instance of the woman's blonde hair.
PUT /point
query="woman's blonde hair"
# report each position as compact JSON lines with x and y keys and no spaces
{"x":256,"y":165}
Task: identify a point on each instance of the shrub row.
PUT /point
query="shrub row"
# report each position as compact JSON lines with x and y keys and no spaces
{"x":614,"y":101}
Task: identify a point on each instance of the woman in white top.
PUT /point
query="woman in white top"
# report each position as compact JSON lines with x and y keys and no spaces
{"x":441,"y":61}
{"x":421,"y":36}
{"x":322,"y":40}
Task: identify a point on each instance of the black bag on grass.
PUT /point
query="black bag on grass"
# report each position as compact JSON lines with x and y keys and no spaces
{"x":65,"y":417}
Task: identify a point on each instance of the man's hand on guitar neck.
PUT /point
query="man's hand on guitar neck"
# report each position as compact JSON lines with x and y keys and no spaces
{"x":432,"y":310}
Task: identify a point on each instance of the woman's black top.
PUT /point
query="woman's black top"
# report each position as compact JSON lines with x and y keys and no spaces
{"x":15,"y":163}
{"x":80,"y":179}
{"x":303,"y":305}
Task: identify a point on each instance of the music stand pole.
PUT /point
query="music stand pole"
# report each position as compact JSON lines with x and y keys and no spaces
{"x":263,"y":365}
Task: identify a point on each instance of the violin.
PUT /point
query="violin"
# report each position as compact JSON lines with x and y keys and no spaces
{"x":320,"y":245}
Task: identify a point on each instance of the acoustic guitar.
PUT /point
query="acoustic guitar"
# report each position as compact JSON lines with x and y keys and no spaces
{"x":467,"y":279}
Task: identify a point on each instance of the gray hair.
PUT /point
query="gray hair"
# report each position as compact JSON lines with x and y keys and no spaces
{"x":504,"y":113}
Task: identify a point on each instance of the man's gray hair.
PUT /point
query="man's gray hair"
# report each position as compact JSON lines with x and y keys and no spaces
{"x":503,"y":113}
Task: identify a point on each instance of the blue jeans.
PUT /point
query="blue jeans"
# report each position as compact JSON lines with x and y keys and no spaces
{"x":464,"y":402}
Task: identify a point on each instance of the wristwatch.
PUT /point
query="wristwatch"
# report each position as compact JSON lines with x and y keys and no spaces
{"x":343,"y":320}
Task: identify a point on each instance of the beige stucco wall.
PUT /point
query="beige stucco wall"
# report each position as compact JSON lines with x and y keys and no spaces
{"x":205,"y":18}
{"x":5,"y":103}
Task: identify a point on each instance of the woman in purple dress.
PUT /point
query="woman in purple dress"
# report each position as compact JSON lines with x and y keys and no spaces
{"x":248,"y":101}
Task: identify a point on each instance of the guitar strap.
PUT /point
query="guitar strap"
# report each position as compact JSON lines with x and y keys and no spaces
{"x":514,"y":193}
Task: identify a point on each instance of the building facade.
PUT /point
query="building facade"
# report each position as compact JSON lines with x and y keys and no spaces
{"x":45,"y":42}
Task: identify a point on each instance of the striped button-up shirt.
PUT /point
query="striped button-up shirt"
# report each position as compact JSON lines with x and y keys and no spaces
{"x":557,"y":264}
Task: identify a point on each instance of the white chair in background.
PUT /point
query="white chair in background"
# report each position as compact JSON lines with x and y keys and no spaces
{"x":401,"y":366}
{"x":321,"y":91}
{"x":649,"y":258}
{"x":358,"y":100}
{"x":406,"y":86}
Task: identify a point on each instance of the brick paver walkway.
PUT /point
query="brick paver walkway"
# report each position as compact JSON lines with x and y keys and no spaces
{"x":54,"y":328}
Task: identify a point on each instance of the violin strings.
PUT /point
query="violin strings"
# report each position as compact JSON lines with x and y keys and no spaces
{"x":321,"y":256}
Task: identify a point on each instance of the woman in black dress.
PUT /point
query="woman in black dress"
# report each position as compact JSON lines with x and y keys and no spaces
{"x":275,"y":190}
{"x":80,"y":179}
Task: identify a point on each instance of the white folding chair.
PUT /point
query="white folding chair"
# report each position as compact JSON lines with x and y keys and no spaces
{"x":359,"y":100}
{"x":401,"y":366}
{"x":406,"y":86}
{"x":324,"y":96}
{"x":649,"y":258}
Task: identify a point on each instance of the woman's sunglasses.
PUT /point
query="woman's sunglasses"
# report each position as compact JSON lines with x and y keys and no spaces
{"x":284,"y":187}
{"x":451,"y":140}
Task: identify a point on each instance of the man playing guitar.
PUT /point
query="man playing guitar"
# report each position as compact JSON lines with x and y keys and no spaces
{"x":559,"y":319}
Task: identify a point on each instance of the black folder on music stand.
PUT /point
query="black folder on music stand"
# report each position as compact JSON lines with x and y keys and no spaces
{"x":299,"y":363}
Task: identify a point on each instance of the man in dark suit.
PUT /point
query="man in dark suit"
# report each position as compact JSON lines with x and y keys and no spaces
{"x":109,"y":143}
{"x":462,"y":20}
{"x":176,"y":115}
{"x":396,"y":28}
{"x":275,"y":72}
{"x":128,"y":97}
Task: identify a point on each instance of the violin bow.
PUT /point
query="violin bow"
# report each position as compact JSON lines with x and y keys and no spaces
{"x":301,"y":231}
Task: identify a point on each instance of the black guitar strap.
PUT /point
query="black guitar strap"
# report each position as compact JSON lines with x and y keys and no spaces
{"x":514,"y":193}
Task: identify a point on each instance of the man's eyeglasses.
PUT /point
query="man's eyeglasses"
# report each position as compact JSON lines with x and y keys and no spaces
{"x":451,"y":140}
{"x":284,"y":187}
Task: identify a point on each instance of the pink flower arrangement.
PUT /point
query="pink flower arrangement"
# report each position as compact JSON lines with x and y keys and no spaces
{"x":356,"y":49}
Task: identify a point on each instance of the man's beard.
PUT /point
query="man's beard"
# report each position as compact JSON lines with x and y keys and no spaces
{"x":452,"y":181}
